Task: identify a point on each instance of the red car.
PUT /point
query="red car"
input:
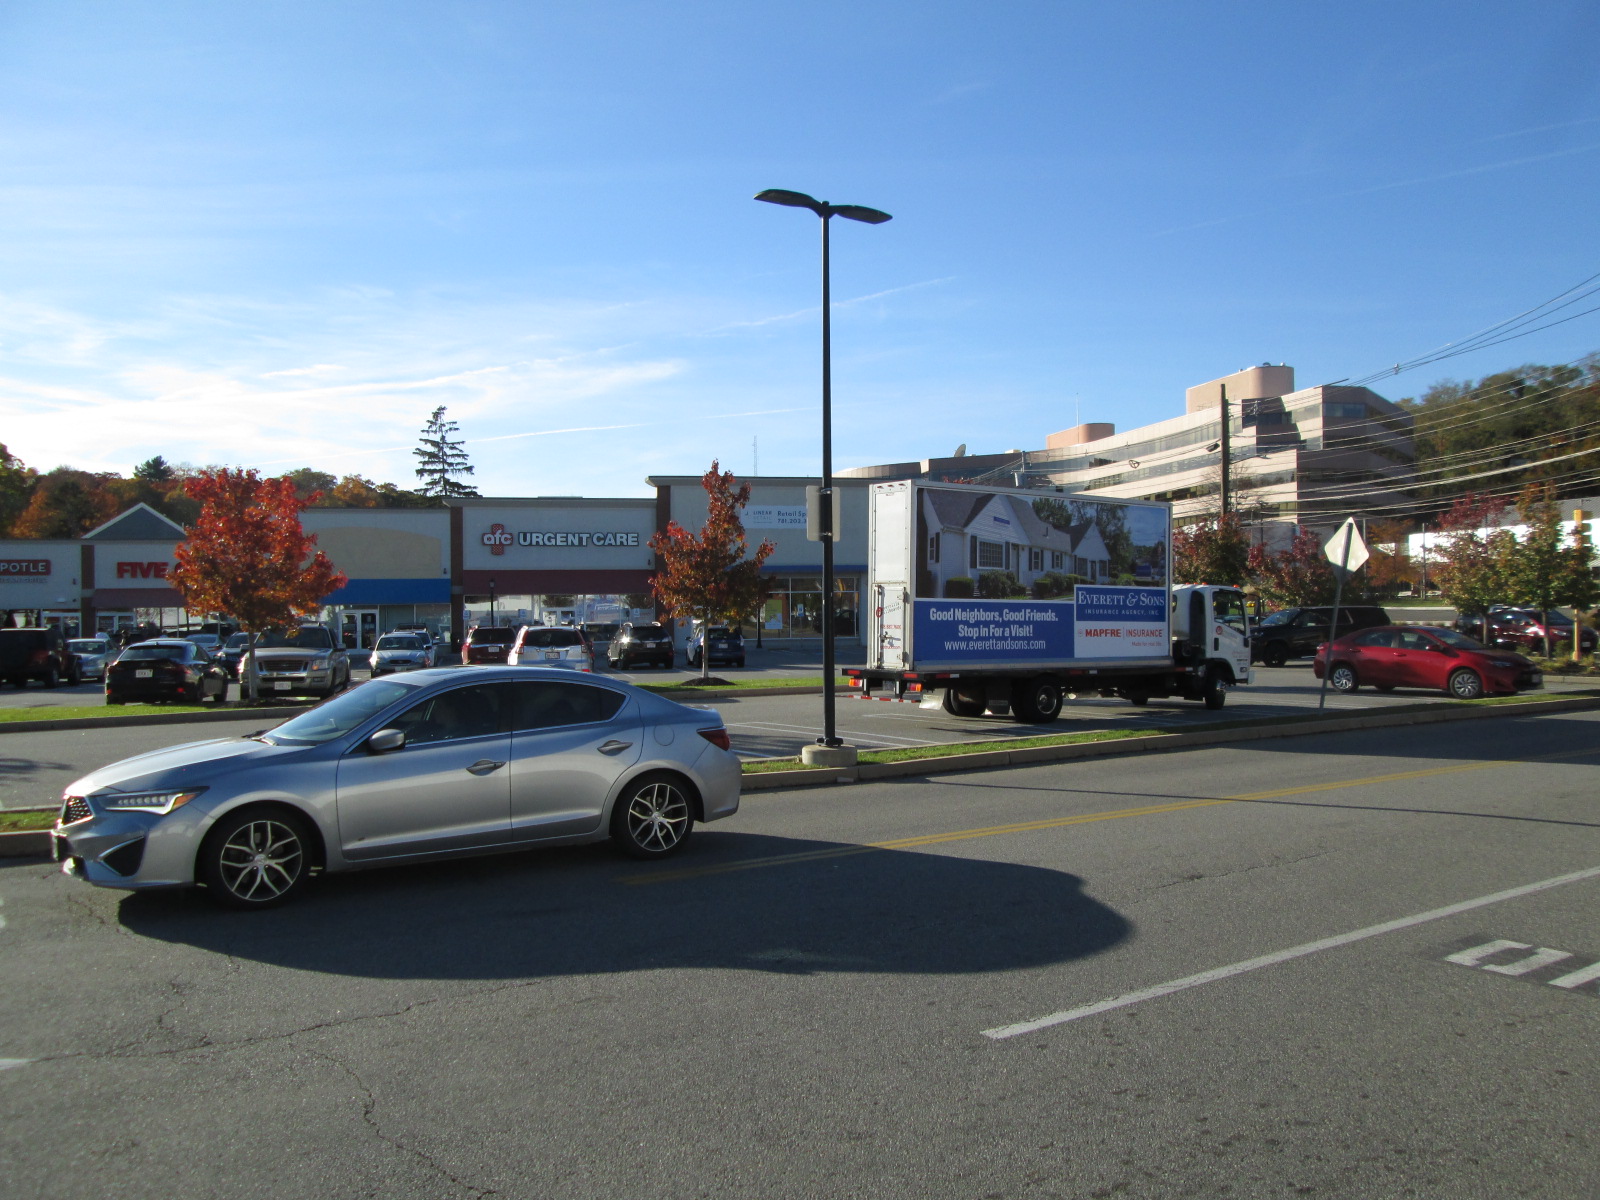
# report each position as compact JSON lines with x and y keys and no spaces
{"x":1443,"y":660}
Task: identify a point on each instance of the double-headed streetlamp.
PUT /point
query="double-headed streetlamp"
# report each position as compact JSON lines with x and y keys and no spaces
{"x":870,"y":216}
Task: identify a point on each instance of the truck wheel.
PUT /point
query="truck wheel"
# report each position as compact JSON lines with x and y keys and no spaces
{"x":1214,"y":691}
{"x":961,"y":704}
{"x":1036,"y":701}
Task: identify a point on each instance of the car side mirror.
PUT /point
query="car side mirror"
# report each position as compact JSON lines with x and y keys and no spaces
{"x":386,"y":741}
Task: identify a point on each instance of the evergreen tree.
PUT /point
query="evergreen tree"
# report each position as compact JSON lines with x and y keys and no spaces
{"x":443,"y":459}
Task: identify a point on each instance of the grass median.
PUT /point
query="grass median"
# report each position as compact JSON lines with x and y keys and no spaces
{"x":64,"y":712}
{"x":27,"y":819}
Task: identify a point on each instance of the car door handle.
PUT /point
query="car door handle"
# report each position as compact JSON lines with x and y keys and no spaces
{"x":613,"y":747}
{"x":485,"y":765}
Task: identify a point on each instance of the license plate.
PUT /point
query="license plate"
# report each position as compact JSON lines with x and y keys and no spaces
{"x":282,"y":687}
{"x":143,"y":674}
{"x":1538,"y":678}
{"x":552,"y":654}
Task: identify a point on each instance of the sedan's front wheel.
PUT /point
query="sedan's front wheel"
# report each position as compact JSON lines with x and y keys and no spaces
{"x":255,"y":859}
{"x":1466,"y":685}
{"x":1343,"y":678}
{"x":653,"y":817}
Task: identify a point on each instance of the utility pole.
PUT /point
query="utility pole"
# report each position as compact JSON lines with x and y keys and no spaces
{"x":1225,"y":448}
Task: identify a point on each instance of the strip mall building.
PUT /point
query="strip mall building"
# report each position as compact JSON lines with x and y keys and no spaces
{"x":449,"y":567}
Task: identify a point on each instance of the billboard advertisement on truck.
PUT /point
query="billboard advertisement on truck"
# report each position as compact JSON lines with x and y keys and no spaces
{"x":1003,"y":577}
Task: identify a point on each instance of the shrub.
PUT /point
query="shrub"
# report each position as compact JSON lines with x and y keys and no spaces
{"x":1000,"y":585}
{"x":1052,"y":585}
{"x":959,"y":588}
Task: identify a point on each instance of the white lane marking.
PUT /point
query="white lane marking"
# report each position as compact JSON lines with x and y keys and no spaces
{"x":1269,"y":960}
{"x":1542,"y":957}
{"x":2,"y":915}
{"x":1577,"y":978}
{"x":1474,"y":956}
{"x":7,"y":1063}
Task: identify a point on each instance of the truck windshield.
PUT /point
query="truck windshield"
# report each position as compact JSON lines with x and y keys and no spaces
{"x":1229,"y":609}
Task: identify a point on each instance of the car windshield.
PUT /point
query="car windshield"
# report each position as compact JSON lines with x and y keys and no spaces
{"x":146,"y":653}
{"x":552,"y":637}
{"x":1278,"y":618}
{"x":401,"y":641}
{"x":307,"y":637}
{"x":338,"y":716}
{"x":86,"y":646}
{"x":236,"y":641}
{"x":491,"y":636}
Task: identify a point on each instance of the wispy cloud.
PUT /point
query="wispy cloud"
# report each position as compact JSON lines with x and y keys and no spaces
{"x":816,"y":308}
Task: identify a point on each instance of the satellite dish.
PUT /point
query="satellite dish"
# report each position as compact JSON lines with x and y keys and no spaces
{"x":961,"y":451}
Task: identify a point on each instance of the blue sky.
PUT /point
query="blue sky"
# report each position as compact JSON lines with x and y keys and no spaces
{"x":280,"y":234}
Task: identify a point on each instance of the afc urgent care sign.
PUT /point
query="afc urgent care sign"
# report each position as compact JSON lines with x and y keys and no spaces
{"x":499,"y":537}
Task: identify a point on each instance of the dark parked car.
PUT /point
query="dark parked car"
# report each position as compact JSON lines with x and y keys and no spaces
{"x":1297,"y":632}
{"x":39,"y":652}
{"x":169,"y":669}
{"x":1438,"y":659}
{"x":600,"y":631}
{"x":718,"y":643}
{"x":488,"y":644}
{"x":232,"y":653}
{"x":640,"y":643}
{"x":1524,"y":629}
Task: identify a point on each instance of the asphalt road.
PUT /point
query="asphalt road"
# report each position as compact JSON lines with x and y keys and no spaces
{"x":1349,"y":965}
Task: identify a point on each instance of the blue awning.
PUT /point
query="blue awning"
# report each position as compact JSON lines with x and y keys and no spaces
{"x":390,"y":591}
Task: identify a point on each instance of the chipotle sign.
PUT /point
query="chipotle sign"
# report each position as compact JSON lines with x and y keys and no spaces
{"x":33,"y":567}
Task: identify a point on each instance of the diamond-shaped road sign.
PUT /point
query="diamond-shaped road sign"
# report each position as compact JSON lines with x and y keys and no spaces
{"x":1347,"y":549}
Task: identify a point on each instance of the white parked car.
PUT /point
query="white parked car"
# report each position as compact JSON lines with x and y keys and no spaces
{"x":550,"y":646}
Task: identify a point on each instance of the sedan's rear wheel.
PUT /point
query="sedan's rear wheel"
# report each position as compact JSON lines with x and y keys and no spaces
{"x":256,"y":859}
{"x":1465,"y":685}
{"x":653,"y":817}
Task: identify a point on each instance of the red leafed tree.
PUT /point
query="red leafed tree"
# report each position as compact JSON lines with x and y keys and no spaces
{"x":708,"y":578}
{"x":1294,"y":577}
{"x":247,"y":557}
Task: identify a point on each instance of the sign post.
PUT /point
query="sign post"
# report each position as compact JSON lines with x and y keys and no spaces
{"x":1347,"y":551}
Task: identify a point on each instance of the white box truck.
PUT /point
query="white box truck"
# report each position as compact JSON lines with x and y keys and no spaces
{"x":1004,"y":600}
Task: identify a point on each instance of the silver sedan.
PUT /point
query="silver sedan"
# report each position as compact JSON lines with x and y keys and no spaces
{"x":429,"y":764}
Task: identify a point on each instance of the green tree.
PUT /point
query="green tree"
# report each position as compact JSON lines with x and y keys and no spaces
{"x":154,"y":470}
{"x":1473,"y":552}
{"x":442,"y":460}
{"x":1211,"y":550}
{"x":1542,"y":570}
{"x":708,"y":578}
{"x":16,"y":488}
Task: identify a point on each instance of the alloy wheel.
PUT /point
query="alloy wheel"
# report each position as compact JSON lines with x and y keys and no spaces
{"x":657,"y":818}
{"x":261,"y":861}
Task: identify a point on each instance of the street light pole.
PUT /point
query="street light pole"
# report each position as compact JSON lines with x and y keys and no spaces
{"x":870,"y":216}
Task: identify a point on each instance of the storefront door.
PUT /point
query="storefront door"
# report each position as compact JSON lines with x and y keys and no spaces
{"x":359,"y":629}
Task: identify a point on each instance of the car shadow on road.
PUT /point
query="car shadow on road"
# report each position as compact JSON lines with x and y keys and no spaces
{"x":732,"y":901}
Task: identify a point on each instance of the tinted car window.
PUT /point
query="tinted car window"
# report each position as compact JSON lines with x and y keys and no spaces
{"x":1285,"y":617}
{"x":307,"y":637}
{"x":548,"y":704}
{"x":1457,"y":641}
{"x":1378,"y":637}
{"x":648,"y":631}
{"x":401,"y":642}
{"x":1407,"y":639}
{"x":157,"y":653}
{"x":551,"y":637}
{"x":492,"y":635}
{"x":461,"y":713}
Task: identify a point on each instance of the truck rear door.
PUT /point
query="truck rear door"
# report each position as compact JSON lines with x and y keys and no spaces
{"x":889,"y":626}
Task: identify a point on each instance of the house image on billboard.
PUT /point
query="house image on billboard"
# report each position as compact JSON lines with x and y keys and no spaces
{"x":966,"y":534}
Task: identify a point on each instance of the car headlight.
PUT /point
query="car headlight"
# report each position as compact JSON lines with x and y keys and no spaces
{"x":156,"y":802}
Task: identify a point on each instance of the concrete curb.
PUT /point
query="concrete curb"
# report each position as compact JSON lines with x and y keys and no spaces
{"x":1150,"y":744}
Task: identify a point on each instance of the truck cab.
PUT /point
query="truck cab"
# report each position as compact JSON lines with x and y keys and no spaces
{"x":1211,"y":624}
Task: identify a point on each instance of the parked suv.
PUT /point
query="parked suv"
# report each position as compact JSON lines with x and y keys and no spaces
{"x":488,"y":644}
{"x":545,"y":645}
{"x":307,"y":660}
{"x":640,"y":643}
{"x":39,"y":652}
{"x":718,"y":644}
{"x":1297,"y":632}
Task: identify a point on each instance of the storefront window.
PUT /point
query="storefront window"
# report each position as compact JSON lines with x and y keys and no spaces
{"x":794,"y":607}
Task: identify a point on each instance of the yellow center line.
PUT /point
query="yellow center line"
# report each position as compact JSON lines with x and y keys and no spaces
{"x":1151,"y":810}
